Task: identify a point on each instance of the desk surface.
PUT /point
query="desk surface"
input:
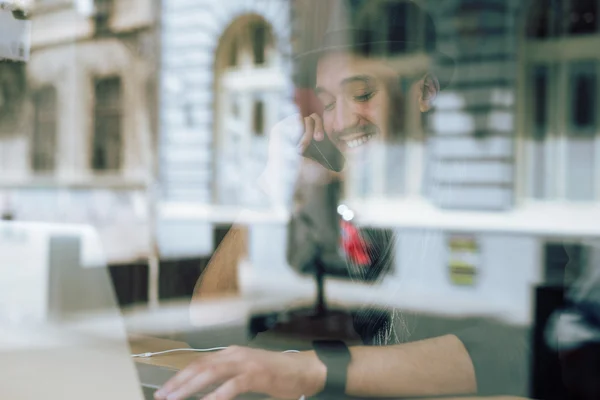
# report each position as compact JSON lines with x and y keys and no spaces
{"x":177,"y":361}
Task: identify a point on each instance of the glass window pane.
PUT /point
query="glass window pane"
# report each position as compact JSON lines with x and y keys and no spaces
{"x":582,"y":17}
{"x":394,"y":169}
{"x":259,"y":41}
{"x":397,"y":34}
{"x":580,"y":169}
{"x":539,"y":19}
{"x":258,"y":118}
{"x":581,"y":130}
{"x":106,"y":152}
{"x":108,"y":92}
{"x":430,"y":35}
{"x":583,"y":91}
{"x":233,"y":53}
{"x":540,"y":102}
{"x":362,"y":176}
{"x":44,"y":134}
{"x":565,"y":263}
{"x":113,"y":142}
{"x":540,"y":129}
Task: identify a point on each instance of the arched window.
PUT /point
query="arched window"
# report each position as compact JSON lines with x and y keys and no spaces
{"x":248,"y":42}
{"x":249,"y":91}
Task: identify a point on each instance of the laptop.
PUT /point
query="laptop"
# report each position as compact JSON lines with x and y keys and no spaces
{"x":63,"y":335}
{"x":62,"y":332}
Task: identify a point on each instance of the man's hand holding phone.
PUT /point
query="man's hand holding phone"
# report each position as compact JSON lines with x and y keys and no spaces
{"x":316,"y":145}
{"x":313,"y":129}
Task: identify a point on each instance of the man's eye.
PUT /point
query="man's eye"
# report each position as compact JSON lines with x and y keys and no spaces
{"x":329,"y":107}
{"x":364,"y":97}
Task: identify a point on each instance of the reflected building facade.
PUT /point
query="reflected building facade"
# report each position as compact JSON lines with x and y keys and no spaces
{"x":78,"y":146}
{"x":482,"y":192}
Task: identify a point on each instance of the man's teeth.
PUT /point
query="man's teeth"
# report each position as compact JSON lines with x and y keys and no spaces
{"x":358,"y":142}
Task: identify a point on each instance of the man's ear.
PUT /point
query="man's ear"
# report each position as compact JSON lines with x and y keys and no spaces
{"x":429,"y":87}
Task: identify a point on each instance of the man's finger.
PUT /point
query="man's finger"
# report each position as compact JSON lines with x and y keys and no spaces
{"x":319,"y":132}
{"x":175,"y":382}
{"x":231,"y":389}
{"x":309,"y":128}
{"x":208,"y":376}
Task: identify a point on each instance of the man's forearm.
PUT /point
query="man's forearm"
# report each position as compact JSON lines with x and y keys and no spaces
{"x":220,"y":276}
{"x":432,"y":367}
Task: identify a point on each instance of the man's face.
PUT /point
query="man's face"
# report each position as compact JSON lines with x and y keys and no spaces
{"x":354,"y":92}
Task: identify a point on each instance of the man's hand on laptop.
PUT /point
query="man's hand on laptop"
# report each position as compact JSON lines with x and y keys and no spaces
{"x":238,"y":370}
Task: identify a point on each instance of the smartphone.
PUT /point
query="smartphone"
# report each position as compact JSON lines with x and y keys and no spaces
{"x":325,"y":153}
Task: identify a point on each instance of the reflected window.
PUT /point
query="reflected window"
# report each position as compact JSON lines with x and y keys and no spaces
{"x":554,"y":18}
{"x":43,"y":157}
{"x":563,"y":131}
{"x":540,"y":128}
{"x":583,"y":90}
{"x":581,"y":153}
{"x":103,"y":12}
{"x":259,"y":42}
{"x":540,"y":103}
{"x":107,"y":140}
{"x":247,"y":44}
{"x":409,"y":37}
{"x":233,"y":53}
{"x":398,"y":18}
{"x":562,"y":139}
{"x":565,"y":263}
{"x":258,"y":118}
{"x":401,"y":27}
{"x":582,"y":17}
{"x":249,"y":87}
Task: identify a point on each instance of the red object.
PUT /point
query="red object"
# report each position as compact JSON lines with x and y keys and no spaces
{"x":355,"y":247}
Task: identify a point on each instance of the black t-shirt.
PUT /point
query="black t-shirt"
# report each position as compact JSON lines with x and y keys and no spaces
{"x":499,"y":351}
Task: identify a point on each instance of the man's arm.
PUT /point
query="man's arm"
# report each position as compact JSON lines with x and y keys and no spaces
{"x":220,"y":276}
{"x":431,"y":367}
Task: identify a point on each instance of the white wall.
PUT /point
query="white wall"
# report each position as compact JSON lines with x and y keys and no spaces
{"x":510,"y":266}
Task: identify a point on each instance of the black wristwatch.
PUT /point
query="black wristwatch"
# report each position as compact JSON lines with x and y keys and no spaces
{"x":336,"y":357}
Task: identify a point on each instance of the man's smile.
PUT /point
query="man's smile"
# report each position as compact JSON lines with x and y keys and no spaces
{"x":357,"y":140}
{"x":356,"y":137}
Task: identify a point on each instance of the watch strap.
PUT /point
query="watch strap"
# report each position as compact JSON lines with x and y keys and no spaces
{"x":336,"y":357}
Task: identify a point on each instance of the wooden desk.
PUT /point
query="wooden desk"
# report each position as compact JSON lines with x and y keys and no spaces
{"x":177,"y":361}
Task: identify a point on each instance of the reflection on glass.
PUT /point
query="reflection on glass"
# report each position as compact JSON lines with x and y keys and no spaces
{"x":540,"y":127}
{"x":107,"y":125}
{"x":554,"y":18}
{"x":44,"y":134}
{"x":582,"y":17}
{"x":581,"y":130}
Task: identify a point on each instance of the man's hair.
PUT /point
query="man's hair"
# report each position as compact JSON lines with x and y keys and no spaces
{"x":365,"y":42}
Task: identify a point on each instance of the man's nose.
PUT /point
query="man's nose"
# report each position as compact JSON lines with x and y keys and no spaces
{"x":345,"y":115}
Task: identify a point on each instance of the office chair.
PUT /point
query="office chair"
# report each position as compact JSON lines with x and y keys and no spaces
{"x":313,"y":249}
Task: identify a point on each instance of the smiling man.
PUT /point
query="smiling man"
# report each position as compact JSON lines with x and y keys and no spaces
{"x":360,"y":98}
